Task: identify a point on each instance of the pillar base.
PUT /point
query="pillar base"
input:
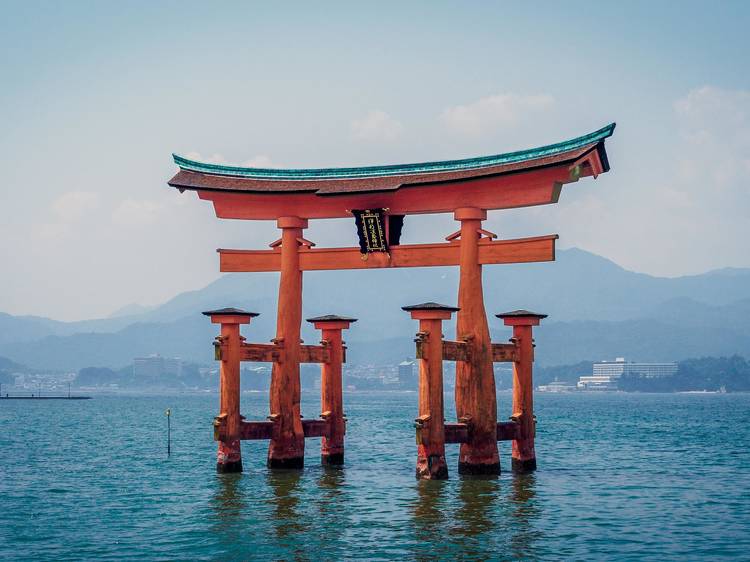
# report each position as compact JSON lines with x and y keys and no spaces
{"x":523,"y":466}
{"x":332,"y":459}
{"x":229,"y":467}
{"x":433,"y":467}
{"x":294,"y":463}
{"x":468,"y":469}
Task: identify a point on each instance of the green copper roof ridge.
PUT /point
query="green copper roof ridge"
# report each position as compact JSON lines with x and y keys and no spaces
{"x":395,"y":169}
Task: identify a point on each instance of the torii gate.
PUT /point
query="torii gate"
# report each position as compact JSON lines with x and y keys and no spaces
{"x":380,"y":197}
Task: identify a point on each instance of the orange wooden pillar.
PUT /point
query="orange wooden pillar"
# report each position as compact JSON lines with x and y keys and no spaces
{"x":331,"y":387}
{"x":287,"y":447}
{"x":229,"y":457}
{"x":431,"y":421}
{"x":523,"y":456}
{"x":476,"y":402}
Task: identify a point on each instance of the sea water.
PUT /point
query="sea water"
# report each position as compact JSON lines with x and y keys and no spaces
{"x":621,"y":477}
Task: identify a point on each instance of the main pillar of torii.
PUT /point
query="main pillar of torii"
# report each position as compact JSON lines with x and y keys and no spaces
{"x":468,"y":188}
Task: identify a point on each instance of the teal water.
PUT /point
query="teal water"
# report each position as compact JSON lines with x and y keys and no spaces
{"x":621,"y":477}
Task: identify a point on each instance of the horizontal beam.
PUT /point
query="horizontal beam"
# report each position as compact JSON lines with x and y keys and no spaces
{"x":259,"y":352}
{"x":456,"y":433}
{"x":258,"y":430}
{"x":314,"y":354}
{"x":508,"y":431}
{"x":504,"y":353}
{"x":522,"y":250}
{"x":456,"y":351}
{"x":271,"y":352}
{"x":459,"y":432}
{"x":316,"y":428}
{"x":522,"y":189}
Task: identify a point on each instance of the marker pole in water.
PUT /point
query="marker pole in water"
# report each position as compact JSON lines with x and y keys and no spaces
{"x":169,"y":431}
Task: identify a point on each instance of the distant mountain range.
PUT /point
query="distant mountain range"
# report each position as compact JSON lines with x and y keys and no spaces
{"x":596,"y":310}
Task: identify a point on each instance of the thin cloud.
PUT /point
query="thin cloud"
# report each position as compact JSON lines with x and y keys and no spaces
{"x":73,"y":205}
{"x":376,"y":126}
{"x":490,"y":112}
{"x":133,"y":212}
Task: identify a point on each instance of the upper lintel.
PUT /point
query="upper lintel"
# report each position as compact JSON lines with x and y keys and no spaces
{"x":514,"y":179}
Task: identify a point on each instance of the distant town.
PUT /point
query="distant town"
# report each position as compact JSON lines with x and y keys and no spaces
{"x":158,"y":373}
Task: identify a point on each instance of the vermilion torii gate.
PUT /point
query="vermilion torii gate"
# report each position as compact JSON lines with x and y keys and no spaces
{"x":380,"y":197}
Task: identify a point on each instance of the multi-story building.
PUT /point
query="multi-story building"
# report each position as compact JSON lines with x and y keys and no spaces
{"x":155,"y":366}
{"x":606,"y":374}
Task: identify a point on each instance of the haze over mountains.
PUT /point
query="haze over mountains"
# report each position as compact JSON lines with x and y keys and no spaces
{"x":596,"y":310}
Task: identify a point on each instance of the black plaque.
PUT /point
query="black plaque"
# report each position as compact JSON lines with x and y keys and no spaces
{"x":371,"y":230}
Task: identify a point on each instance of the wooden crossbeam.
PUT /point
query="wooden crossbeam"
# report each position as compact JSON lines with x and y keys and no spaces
{"x":314,"y":354}
{"x":504,"y":353}
{"x":258,"y":430}
{"x":521,"y":250}
{"x":459,"y":432}
{"x":460,"y":351}
{"x":456,"y":351}
{"x":270,"y":352}
{"x":456,"y":433}
{"x":259,"y":352}
{"x":508,"y":431}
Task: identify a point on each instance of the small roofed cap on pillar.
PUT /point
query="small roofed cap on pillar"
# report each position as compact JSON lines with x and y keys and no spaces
{"x":521,"y":317}
{"x":331,"y":322}
{"x":430,"y":310}
{"x":230,"y":315}
{"x":430,"y":306}
{"x":331,"y":318}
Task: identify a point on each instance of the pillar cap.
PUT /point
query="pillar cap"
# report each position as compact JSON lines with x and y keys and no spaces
{"x":430,"y":311}
{"x":430,"y":306}
{"x":230,"y":316}
{"x":331,"y":318}
{"x":331,"y":322}
{"x":521,"y":318}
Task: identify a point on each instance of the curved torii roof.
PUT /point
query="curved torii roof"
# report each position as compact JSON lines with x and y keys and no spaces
{"x":372,"y":186}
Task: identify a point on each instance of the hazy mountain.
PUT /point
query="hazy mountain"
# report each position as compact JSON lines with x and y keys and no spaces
{"x":597,"y":309}
{"x":132,"y":309}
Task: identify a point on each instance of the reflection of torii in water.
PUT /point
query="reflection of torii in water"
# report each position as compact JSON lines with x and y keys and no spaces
{"x":384,"y":195}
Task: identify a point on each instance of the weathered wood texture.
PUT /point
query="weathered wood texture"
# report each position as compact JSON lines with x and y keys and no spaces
{"x":287,"y":447}
{"x":475,"y":381}
{"x":459,"y":432}
{"x":259,"y":352}
{"x":259,"y":430}
{"x":523,"y":452}
{"x":504,"y":352}
{"x":431,"y":463}
{"x":331,"y":398}
{"x":229,"y":455}
{"x":523,"y":250}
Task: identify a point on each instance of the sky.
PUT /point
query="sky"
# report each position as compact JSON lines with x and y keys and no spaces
{"x":96,"y":96}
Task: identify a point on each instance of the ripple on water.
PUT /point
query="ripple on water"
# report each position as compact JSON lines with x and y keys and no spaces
{"x":621,"y":477}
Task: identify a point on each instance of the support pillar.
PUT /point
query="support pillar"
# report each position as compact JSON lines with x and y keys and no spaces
{"x":476,"y":401}
{"x":287,"y":447}
{"x":523,"y":455}
{"x":229,"y":420}
{"x":430,"y":424}
{"x":331,"y":387}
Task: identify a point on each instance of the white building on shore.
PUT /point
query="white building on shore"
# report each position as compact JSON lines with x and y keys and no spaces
{"x":606,"y":375}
